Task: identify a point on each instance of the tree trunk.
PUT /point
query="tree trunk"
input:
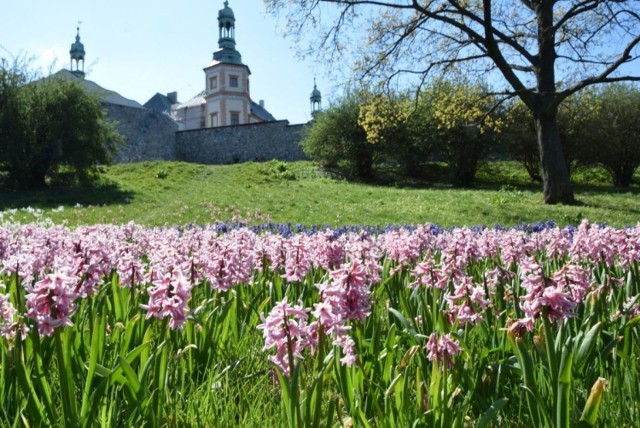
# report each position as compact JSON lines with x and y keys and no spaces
{"x":555,"y":175}
{"x":622,"y":176}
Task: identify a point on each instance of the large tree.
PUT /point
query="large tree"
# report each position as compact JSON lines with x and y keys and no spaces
{"x":47,"y":126}
{"x":543,"y":51}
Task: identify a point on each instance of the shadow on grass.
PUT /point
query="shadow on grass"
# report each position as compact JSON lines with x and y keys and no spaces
{"x":52,"y":197}
{"x":633,"y":190}
{"x":595,"y":191}
{"x":429,"y":176}
{"x":507,"y":178}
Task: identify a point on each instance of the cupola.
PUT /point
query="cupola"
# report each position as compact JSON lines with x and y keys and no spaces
{"x":226,"y":41}
{"x":77,"y":56}
{"x":316,"y":99}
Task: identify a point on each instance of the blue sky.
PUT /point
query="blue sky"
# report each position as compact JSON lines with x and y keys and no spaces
{"x":141,"y":47}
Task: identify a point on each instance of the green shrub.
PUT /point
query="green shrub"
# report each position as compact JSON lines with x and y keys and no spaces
{"x":611,"y":133}
{"x":466,"y":126}
{"x":162,"y":174}
{"x":279,"y":170}
{"x":335,"y":139}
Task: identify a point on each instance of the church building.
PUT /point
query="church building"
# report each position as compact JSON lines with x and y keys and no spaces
{"x":151,"y":131}
{"x":226,"y":99}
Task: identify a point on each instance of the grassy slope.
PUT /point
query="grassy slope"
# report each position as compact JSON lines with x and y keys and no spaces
{"x":258,"y":192}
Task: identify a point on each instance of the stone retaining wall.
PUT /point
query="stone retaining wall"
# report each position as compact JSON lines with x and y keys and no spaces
{"x":148,"y":135}
{"x":243,"y":143}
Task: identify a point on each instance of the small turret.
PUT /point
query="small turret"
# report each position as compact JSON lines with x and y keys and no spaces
{"x":316,"y":99}
{"x":77,"y":56}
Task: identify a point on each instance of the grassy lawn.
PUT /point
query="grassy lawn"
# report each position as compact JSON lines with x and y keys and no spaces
{"x":167,"y":193}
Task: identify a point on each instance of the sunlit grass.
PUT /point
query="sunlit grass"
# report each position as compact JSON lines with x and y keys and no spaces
{"x":161,"y":193}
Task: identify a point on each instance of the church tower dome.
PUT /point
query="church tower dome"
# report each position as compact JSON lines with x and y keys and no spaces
{"x":77,"y":56}
{"x":227,"y":52}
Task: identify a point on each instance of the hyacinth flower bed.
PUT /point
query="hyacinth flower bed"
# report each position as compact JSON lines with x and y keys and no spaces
{"x":414,"y":326}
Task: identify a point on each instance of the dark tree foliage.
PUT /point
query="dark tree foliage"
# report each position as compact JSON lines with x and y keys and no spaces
{"x":48,"y":126}
{"x":519,"y":138}
{"x":422,"y":143}
{"x":12,"y":125}
{"x":599,"y":127}
{"x":335,"y":139}
{"x":610,"y":136}
{"x":467,"y":125}
{"x":406,"y":134}
{"x":464,"y":149}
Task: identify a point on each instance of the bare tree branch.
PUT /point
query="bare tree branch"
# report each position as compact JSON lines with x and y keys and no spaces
{"x":605,"y":76}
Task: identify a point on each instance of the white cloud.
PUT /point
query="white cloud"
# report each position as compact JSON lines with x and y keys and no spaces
{"x":52,"y":58}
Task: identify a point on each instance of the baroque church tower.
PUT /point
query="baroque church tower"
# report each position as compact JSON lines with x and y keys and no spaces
{"x":226,"y":99}
{"x":227,"y":78}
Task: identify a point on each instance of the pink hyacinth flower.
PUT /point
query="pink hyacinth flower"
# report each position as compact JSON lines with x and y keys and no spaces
{"x":442,"y":349}
{"x":286,"y":330}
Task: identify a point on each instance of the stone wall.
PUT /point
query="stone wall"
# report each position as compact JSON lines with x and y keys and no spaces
{"x":243,"y":143}
{"x":148,"y":135}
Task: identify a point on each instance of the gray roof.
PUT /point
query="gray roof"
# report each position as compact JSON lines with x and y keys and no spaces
{"x":159,"y":103}
{"x":195,"y":101}
{"x":106,"y":96}
{"x":261,"y":112}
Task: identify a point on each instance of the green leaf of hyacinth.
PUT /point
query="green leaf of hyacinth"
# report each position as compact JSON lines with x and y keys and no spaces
{"x":146,"y":352}
{"x":117,"y":303}
{"x":633,"y":322}
{"x":97,"y":344}
{"x":566,"y":360}
{"x":392,"y":385}
{"x":116,"y":374}
{"x":491,"y":413}
{"x":404,"y":322}
{"x":398,"y":393}
{"x":563,"y":408}
{"x":42,"y":377}
{"x":587,"y":345}
{"x":132,"y":383}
